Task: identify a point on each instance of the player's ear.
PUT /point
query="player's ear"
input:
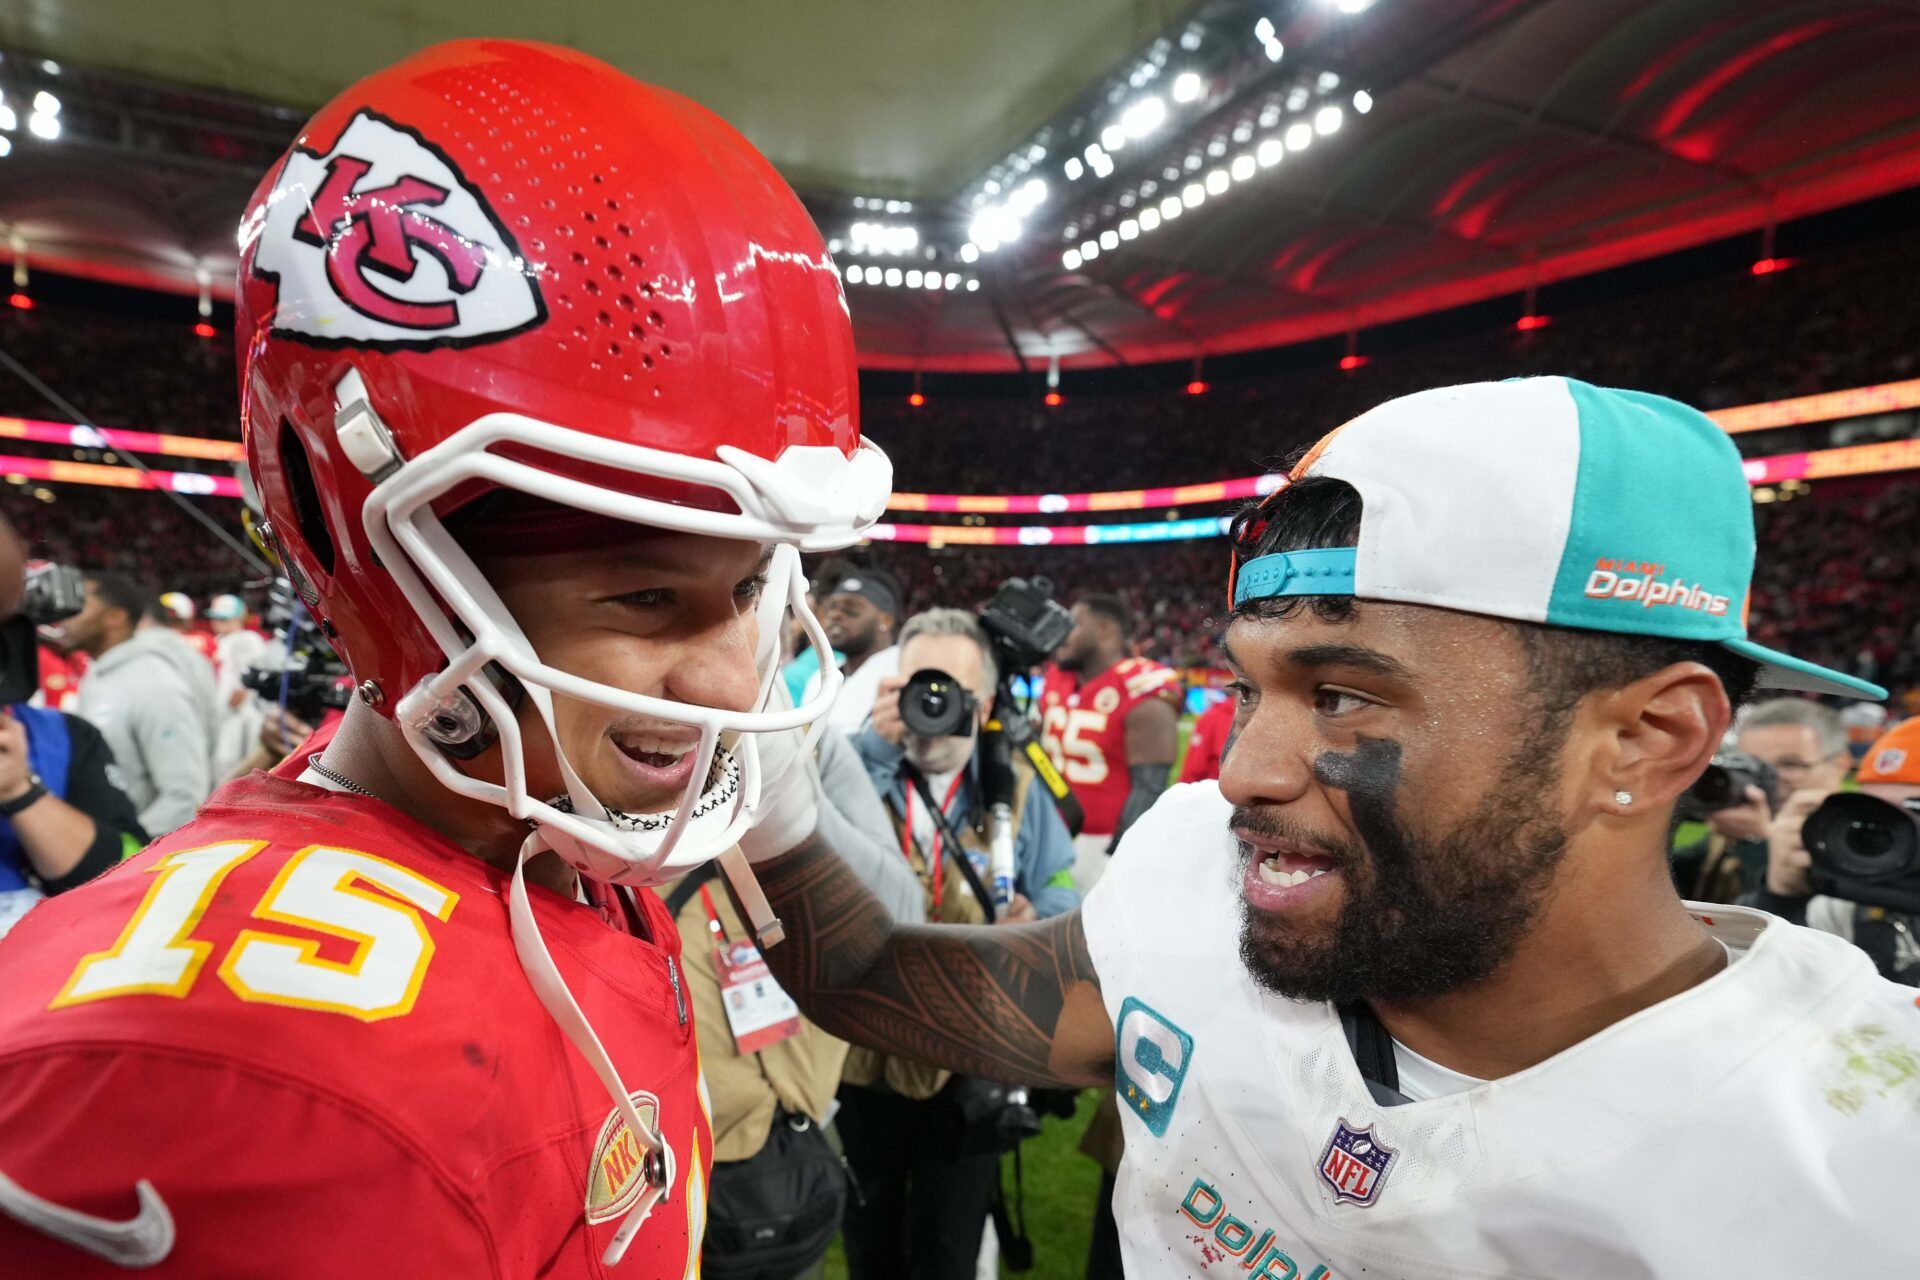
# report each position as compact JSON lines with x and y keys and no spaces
{"x":1650,"y":739}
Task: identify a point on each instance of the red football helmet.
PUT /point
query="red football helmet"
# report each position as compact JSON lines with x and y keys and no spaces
{"x":503,"y":265}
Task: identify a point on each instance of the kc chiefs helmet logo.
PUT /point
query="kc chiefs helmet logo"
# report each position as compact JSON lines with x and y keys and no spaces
{"x":382,"y":242}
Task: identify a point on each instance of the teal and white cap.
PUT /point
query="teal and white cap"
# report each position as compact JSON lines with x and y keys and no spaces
{"x":1546,"y":500}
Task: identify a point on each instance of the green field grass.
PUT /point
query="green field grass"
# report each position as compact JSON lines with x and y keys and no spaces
{"x":1061,"y":1184}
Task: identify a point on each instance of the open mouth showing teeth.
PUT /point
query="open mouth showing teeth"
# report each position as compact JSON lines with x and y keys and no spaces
{"x":1274,"y":873}
{"x":651,"y":750}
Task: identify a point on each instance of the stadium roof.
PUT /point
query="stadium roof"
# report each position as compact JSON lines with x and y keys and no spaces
{"x":1504,"y":143}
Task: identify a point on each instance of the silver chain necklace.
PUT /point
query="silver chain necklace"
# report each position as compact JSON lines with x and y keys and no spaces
{"x":339,"y":779}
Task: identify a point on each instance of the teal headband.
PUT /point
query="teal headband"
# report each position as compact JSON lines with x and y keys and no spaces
{"x":1325,"y":571}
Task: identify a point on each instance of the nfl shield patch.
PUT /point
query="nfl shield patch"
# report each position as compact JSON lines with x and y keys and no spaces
{"x":1355,"y":1163}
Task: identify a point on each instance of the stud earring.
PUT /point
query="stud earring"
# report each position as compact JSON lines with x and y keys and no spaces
{"x":1623,"y":798}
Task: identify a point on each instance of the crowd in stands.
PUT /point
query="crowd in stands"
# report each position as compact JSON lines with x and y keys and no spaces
{"x":1826,"y":322}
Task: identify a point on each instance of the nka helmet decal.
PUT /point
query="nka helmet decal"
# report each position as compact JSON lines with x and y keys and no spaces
{"x":381,"y":242}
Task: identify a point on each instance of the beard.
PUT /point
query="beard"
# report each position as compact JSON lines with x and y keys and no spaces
{"x":937,"y":755}
{"x":1424,"y":914}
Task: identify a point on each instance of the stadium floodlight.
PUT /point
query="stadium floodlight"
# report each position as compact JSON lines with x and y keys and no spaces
{"x":969,"y":253}
{"x":1071,"y":259}
{"x":1171,"y":208}
{"x":1275,"y":50}
{"x":913,"y":279}
{"x":1129,"y":230}
{"x":1263,"y":30}
{"x":856,"y":274}
{"x":42,"y":125}
{"x":1089,"y":251}
{"x":1036,"y":153}
{"x":46,"y":103}
{"x":1193,"y":196}
{"x":1102,"y":164}
{"x":1269,"y":153}
{"x":1113,"y":137}
{"x":1109,"y":239}
{"x":1217,"y":148}
{"x":1243,"y":168}
{"x":893,"y":277}
{"x":1149,"y":219}
{"x":1144,"y":116}
{"x":1029,"y":196}
{"x":1328,"y":82}
{"x":8,"y":121}
{"x":1217,"y":182}
{"x":1299,"y":136}
{"x":49,"y":66}
{"x":972,"y":284}
{"x":1327,"y":120}
{"x":1297,"y":97}
{"x":952,"y":280}
{"x":1362,"y":101}
{"x":1187,"y":86}
{"x":1243,"y":131}
{"x":931,"y":280}
{"x":6,"y":147}
{"x":1353,"y":6}
{"x":1073,"y":168}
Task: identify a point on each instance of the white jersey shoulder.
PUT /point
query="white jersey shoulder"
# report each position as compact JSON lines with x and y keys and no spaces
{"x":1764,"y":1122}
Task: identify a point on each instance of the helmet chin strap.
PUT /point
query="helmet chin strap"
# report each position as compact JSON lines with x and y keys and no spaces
{"x":657,"y":1165}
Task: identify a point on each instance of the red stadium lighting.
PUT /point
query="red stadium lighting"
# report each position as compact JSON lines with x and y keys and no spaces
{"x":203,"y":330}
{"x":916,"y":399}
{"x":1767,"y":266}
{"x":20,"y":302}
{"x":1528,"y":323}
{"x":1054,"y":399}
{"x":1198,"y":387}
{"x":1350,"y":362}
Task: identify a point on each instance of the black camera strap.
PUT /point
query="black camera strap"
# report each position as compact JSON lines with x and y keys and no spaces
{"x":950,"y":836}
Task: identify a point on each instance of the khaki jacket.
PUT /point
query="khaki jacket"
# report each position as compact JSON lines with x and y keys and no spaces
{"x":800,"y":1073}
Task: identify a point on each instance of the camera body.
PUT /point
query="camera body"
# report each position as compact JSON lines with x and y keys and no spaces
{"x":53,"y":593}
{"x":1866,"y":850}
{"x":935,"y":705}
{"x":305,"y":673}
{"x":1724,"y":786}
{"x":1025,"y":623}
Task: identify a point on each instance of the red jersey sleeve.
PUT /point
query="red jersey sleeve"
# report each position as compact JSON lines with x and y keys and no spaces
{"x":250,"y":1175}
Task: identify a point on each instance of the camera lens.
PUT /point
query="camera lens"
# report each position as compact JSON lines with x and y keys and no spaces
{"x":935,"y":705}
{"x":1857,"y":835}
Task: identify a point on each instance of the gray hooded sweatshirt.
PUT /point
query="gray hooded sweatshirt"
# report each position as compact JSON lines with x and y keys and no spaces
{"x":152,"y":698}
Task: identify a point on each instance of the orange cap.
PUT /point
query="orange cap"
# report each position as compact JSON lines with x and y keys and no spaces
{"x":1896,"y":757}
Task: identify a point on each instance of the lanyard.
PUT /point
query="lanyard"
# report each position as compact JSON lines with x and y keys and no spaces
{"x":935,"y":863}
{"x":714,"y":926}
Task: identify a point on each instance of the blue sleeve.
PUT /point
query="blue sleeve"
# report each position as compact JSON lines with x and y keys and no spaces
{"x":881,"y":757}
{"x":1044,"y":853}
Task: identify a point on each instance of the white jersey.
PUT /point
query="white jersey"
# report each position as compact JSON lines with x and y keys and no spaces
{"x":1765,"y":1122}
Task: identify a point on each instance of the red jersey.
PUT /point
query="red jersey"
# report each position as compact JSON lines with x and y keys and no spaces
{"x":1084,"y":729}
{"x":60,"y":676}
{"x":299,"y":1020}
{"x":1207,"y":742}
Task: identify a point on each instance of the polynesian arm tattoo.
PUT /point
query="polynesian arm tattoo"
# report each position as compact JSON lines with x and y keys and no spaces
{"x":1016,"y":1003}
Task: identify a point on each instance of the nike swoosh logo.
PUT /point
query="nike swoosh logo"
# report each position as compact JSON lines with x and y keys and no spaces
{"x":143,"y":1240}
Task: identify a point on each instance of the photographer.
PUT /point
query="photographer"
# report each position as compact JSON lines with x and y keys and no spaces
{"x":920,"y":1140}
{"x":1891,"y":773}
{"x":1797,"y":745}
{"x":62,"y":818}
